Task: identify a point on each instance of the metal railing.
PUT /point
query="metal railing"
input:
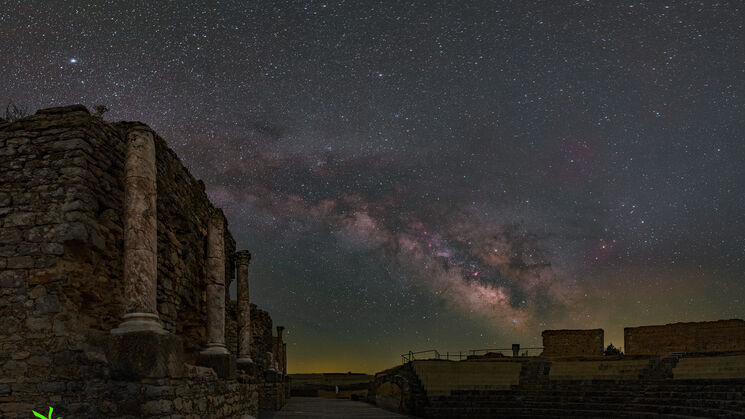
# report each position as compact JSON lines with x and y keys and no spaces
{"x":408,"y":357}
{"x":514,"y":351}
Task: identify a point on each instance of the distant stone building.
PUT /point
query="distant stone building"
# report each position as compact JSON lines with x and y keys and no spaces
{"x":587,"y":342}
{"x":114,"y":271}
{"x":716,"y":336}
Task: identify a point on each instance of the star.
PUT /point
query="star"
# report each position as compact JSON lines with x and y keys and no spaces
{"x":337,"y":138}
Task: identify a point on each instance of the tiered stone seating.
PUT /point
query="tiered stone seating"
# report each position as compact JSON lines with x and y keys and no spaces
{"x":671,"y":386}
{"x":440,"y":378}
{"x":598,"y":370}
{"x":599,"y":399}
{"x":719,"y":367}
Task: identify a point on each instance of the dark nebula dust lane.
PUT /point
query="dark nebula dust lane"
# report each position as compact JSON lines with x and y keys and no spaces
{"x":449,"y":175}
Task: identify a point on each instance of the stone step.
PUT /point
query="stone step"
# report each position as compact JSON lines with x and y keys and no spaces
{"x":692,"y":407}
{"x":681,"y":410}
{"x":519,"y":412}
{"x":720,"y":395}
{"x":530,"y":399}
{"x":576,"y":410}
{"x":694,"y":402}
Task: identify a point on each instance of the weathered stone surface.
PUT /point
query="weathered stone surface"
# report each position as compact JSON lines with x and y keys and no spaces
{"x":243,"y":258}
{"x":140,"y":287}
{"x":224,"y":365}
{"x":137,"y":355}
{"x":20,"y":262}
{"x":12,"y":279}
{"x":716,"y":336}
{"x":48,"y":304}
{"x":216,"y":284}
{"x":140,"y":224}
{"x":567,"y":343}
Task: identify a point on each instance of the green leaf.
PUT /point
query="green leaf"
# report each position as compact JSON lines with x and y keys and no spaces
{"x":38,"y":415}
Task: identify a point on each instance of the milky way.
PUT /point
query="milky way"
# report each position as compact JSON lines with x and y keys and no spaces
{"x":448,"y":175}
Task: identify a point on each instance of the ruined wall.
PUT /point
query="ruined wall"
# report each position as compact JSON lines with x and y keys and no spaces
{"x":261,"y":335}
{"x":560,"y":343}
{"x":716,"y":336}
{"x":61,"y":217}
{"x":199,"y":394}
{"x":58,"y":235}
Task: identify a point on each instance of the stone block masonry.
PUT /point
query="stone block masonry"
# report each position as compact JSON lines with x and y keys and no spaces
{"x":570,"y":343}
{"x":62,"y":276}
{"x":716,"y":336}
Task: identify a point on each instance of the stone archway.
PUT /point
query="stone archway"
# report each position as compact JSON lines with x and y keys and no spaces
{"x":388,"y":395}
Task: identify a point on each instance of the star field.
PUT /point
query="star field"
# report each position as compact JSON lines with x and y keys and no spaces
{"x":448,"y":175}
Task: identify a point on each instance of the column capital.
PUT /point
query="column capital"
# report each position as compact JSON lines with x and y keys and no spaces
{"x":242,"y":257}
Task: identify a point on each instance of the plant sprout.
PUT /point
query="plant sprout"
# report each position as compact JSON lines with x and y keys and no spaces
{"x":40,"y":416}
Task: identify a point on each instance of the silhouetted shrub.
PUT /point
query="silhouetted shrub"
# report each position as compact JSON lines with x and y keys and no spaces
{"x":612,"y":350}
{"x":13,"y":112}
{"x":100,"y":110}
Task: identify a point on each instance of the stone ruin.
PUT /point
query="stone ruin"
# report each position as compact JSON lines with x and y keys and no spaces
{"x":716,"y":336}
{"x":114,"y":277}
{"x":675,"y":370}
{"x":588,"y":342}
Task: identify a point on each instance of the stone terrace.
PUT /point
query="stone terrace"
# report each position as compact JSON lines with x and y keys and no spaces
{"x":565,"y":382}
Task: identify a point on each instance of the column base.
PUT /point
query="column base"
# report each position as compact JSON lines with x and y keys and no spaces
{"x":215,"y":349}
{"x":223,"y":364}
{"x":247,"y":366}
{"x":246,"y":360}
{"x":139,"y":322}
{"x":136,"y":355}
{"x":272,"y":376}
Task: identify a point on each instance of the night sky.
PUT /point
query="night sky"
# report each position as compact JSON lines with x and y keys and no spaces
{"x":447,"y":175}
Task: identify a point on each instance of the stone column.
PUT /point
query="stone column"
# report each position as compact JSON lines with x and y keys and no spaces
{"x":140,"y":235}
{"x":284,"y":359}
{"x":270,"y":362}
{"x":242,"y":259}
{"x":215,"y":286}
{"x":280,"y":349}
{"x":140,"y":347}
{"x":215,"y":355}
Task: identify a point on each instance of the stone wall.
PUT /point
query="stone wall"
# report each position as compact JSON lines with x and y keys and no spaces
{"x":715,"y":336}
{"x":61,"y":241}
{"x":568,"y":343}
{"x":261,"y":335}
{"x":272,"y":393}
{"x":200,"y":394}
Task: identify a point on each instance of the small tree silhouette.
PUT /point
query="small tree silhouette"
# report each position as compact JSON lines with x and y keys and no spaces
{"x":13,"y":112}
{"x":100,"y":110}
{"x":612,"y":350}
{"x":39,"y":415}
